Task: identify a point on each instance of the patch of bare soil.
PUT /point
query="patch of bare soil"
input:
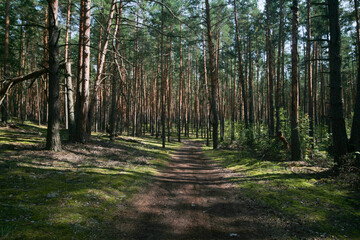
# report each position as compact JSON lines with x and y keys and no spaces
{"x":194,"y":199}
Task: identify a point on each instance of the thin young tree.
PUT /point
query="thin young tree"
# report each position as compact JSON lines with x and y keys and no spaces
{"x":309,"y":72}
{"x":163,"y":80}
{"x":294,"y":110}
{"x":3,"y":100}
{"x":240,"y":68}
{"x":68,"y":79}
{"x":269,"y":66}
{"x":116,"y":72}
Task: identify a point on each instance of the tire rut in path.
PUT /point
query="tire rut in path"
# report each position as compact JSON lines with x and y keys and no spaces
{"x":191,"y":199}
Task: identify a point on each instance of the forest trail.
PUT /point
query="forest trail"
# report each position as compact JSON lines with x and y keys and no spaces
{"x":193,"y":199}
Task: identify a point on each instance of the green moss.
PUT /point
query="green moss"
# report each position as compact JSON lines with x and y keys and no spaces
{"x":309,"y":198}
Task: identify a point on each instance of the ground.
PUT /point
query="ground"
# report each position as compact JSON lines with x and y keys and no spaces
{"x":194,"y":199}
{"x":133,"y":189}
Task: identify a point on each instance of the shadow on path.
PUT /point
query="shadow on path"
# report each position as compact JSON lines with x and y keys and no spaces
{"x":193,"y":199}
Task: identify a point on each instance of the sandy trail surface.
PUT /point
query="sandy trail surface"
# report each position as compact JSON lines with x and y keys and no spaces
{"x":193,"y":198}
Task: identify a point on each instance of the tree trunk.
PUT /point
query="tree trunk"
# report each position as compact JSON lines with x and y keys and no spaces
{"x":85,"y":76}
{"x":251,"y":95}
{"x":68,"y":79}
{"x":294,"y":111}
{"x":340,"y":141}
{"x":213,"y":78}
{"x":207,"y":98}
{"x":269,"y":72}
{"x":310,"y":73}
{"x":163,"y":80}
{"x":240,"y":69}
{"x":116,"y":74}
{"x":53,"y":141}
{"x":4,"y":114}
{"x":355,"y":128}
{"x":169,"y":90}
{"x":180,"y":87}
{"x":278,"y":76}
{"x":100,"y":69}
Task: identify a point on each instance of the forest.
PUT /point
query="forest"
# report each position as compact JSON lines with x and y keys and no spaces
{"x":246,"y":112}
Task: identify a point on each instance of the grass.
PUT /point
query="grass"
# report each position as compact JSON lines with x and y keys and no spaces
{"x":72,"y":194}
{"x":295,"y":191}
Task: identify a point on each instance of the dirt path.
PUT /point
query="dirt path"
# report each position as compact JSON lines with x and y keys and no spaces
{"x":193,"y":199}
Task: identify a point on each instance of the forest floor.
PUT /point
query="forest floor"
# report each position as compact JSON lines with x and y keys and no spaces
{"x":134,"y":189}
{"x":193,"y":198}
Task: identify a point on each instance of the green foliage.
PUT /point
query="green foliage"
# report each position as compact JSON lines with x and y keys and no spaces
{"x":305,"y":139}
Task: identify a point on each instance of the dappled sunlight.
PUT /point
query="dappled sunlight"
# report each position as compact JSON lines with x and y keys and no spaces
{"x":72,"y":193}
{"x":308,"y":197}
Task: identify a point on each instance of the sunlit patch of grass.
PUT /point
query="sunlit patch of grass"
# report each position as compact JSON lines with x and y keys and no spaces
{"x":308,"y":197}
{"x":75,"y":193}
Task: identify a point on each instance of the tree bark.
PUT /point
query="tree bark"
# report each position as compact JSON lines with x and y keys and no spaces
{"x":4,"y":114}
{"x":68,"y":79}
{"x":163,"y":80}
{"x":310,"y":73}
{"x":278,"y":76}
{"x":355,"y":128}
{"x":294,"y":111}
{"x":269,"y":72}
{"x":340,"y":141}
{"x":214,"y":82}
{"x":180,"y":87}
{"x":207,"y":97}
{"x":116,"y":73}
{"x":53,"y":141}
{"x":169,"y":85}
{"x":251,"y":95}
{"x":99,"y":73}
{"x":85,"y":76}
{"x":240,"y":70}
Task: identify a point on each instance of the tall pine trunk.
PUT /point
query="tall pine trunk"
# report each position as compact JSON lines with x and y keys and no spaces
{"x":242,"y":91}
{"x":53,"y":141}
{"x":213,"y":78}
{"x":294,"y":110}
{"x":269,"y":64}
{"x":355,"y":128}
{"x":68,"y":79}
{"x":309,"y":73}
{"x":340,"y":141}
{"x":116,"y":74}
{"x":3,"y":101}
{"x":81,"y":127}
